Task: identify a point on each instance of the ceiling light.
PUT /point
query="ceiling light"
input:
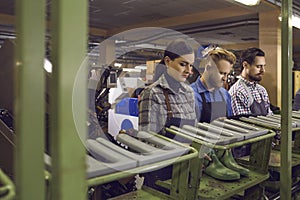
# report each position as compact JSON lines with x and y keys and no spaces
{"x":117,"y":64}
{"x":120,"y":41}
{"x":248,"y":2}
{"x":295,"y":21}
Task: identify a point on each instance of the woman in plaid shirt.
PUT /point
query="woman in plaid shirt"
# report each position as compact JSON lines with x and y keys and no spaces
{"x":169,"y":100}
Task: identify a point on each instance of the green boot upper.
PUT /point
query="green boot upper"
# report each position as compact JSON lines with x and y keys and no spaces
{"x":217,"y":170}
{"x":228,"y":160}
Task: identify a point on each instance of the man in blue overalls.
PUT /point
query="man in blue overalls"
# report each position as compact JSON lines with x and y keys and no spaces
{"x":212,"y":100}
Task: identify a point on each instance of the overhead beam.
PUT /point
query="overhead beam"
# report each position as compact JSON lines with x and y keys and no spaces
{"x":10,"y":21}
{"x":98,"y":32}
{"x":198,"y":17}
{"x":7,"y":19}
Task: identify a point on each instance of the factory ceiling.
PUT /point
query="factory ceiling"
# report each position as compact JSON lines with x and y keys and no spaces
{"x":220,"y":22}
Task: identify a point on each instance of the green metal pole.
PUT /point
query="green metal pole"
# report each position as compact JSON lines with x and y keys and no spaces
{"x":29,"y":99}
{"x":286,"y":99}
{"x":69,"y":44}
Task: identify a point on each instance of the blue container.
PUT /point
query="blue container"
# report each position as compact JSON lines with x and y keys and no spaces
{"x":128,"y":106}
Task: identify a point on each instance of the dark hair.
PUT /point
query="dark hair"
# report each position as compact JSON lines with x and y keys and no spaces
{"x":249,"y":55}
{"x":176,"y":49}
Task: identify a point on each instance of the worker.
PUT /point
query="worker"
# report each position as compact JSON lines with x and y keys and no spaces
{"x":296,"y":103}
{"x":170,"y":100}
{"x":212,"y":100}
{"x":248,"y":97}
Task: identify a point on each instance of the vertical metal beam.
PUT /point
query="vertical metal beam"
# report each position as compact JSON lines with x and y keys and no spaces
{"x":69,"y":42}
{"x":286,"y":98}
{"x":29,"y":99}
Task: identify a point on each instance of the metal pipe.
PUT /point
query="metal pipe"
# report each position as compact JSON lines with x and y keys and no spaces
{"x":29,"y":98}
{"x":68,"y":91}
{"x":286,"y":100}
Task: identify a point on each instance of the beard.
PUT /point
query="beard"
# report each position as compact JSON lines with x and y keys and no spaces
{"x":256,"y":78}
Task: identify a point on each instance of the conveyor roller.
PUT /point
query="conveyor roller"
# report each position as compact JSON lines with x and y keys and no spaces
{"x":223,"y":131}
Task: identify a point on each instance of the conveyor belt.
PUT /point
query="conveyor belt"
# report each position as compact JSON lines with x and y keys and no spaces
{"x":296,"y":114}
{"x":188,"y":133}
{"x":295,"y":121}
{"x":240,"y":129}
{"x":148,"y":149}
{"x":277,"y":120}
{"x":162,"y":149}
{"x":96,"y":168}
{"x":107,"y":159}
{"x":222,"y":132}
{"x":260,"y":122}
{"x":107,"y":165}
{"x":242,"y":125}
{"x":219,"y":136}
{"x":271,"y":122}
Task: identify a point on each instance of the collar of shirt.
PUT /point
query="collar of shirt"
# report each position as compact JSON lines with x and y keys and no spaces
{"x":200,"y":87}
{"x":248,"y":83}
{"x":164,"y":84}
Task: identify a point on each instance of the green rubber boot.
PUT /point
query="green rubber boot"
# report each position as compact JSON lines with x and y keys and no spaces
{"x":217,"y":170}
{"x":228,"y":160}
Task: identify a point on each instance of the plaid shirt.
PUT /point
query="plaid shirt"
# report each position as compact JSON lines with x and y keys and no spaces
{"x":153,"y":109}
{"x":240,"y":100}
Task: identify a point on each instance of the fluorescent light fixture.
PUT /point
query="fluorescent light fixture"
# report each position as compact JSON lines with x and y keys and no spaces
{"x":131,"y":70}
{"x":249,"y":2}
{"x":120,"y":41}
{"x":295,"y":21}
{"x":117,"y":64}
{"x":141,"y":67}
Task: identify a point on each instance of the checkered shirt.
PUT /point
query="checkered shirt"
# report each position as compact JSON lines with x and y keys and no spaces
{"x":240,"y":100}
{"x":153,"y":109}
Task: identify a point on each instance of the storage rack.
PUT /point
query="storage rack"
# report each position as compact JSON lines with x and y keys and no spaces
{"x":274,"y":123}
{"x":179,"y":177}
{"x":209,"y":188}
